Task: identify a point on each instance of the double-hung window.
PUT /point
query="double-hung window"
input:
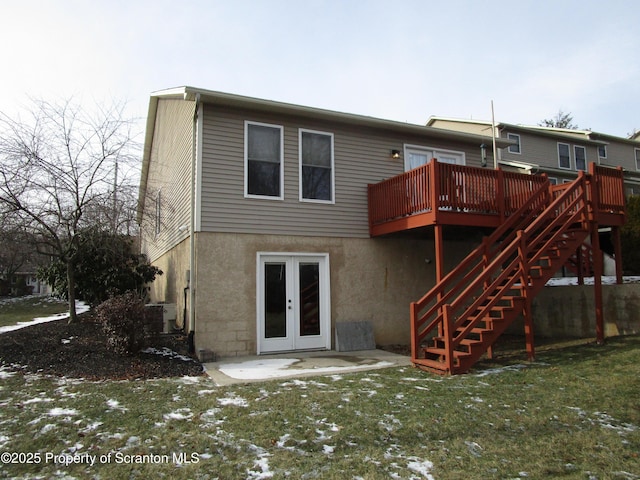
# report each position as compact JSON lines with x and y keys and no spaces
{"x":564,"y":157}
{"x":316,"y":166}
{"x":580,"y":154}
{"x":602,"y":153}
{"x":514,"y":148}
{"x":263,"y":160}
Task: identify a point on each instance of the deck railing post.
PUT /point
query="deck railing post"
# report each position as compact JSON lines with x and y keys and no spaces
{"x":435,"y":187}
{"x":500,"y":195}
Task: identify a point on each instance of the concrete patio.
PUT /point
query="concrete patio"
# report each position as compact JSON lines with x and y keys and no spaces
{"x":300,"y":364}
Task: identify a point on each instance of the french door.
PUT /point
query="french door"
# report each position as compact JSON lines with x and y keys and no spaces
{"x":293,"y":302}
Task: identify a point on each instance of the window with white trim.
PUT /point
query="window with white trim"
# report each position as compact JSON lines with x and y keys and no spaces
{"x":553,"y":180}
{"x":514,"y":148}
{"x":637,"y":158}
{"x":580,"y":155}
{"x":602,"y":152}
{"x":564,"y":156}
{"x":263,"y":160}
{"x":316,"y":166}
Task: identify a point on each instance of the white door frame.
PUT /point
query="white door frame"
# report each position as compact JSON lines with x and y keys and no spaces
{"x":436,"y":153}
{"x":293,"y":339}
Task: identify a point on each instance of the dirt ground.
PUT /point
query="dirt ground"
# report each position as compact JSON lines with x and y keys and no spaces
{"x":79,"y":351}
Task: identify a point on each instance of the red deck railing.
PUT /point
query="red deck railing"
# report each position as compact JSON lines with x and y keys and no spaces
{"x":456,"y":194}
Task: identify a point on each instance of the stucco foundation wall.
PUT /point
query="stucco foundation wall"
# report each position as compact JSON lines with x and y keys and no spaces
{"x":169,"y":287}
{"x":371,"y":279}
{"x":569,"y":311}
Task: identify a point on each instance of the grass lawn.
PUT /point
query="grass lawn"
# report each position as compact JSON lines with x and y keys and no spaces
{"x":574,"y":414}
{"x":23,"y":309}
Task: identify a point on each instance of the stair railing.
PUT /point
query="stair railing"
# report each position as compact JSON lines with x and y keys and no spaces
{"x":473,"y":264}
{"x":524,"y":252}
{"x":496,"y":272}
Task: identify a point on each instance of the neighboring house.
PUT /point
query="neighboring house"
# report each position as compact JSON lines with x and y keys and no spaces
{"x":257,"y":212}
{"x":560,"y":153}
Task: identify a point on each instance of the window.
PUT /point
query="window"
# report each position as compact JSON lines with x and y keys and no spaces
{"x":514,"y":148}
{"x":602,"y":152}
{"x":637,"y":158}
{"x":263,"y":160}
{"x":553,"y":180}
{"x":316,"y":166}
{"x":564,"y":160}
{"x":580,"y":154}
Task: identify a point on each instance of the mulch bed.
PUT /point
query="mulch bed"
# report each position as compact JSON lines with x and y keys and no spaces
{"x":79,"y":351}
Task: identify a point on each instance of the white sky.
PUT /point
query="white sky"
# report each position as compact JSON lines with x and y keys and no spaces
{"x":402,"y":60}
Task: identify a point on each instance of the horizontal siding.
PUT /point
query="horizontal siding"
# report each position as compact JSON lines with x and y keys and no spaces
{"x":362,"y":156}
{"x":170,"y":173}
{"x":621,"y":154}
{"x":543,"y":151}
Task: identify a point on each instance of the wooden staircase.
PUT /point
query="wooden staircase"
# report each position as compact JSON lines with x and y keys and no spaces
{"x":458,"y":321}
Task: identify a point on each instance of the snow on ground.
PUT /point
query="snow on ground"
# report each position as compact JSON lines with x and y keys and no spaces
{"x":264,"y":369}
{"x":608,"y":280}
{"x":81,"y":307}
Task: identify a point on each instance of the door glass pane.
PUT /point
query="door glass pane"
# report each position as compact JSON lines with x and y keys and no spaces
{"x":417,"y":159}
{"x":275,"y":300}
{"x":309,"y":299}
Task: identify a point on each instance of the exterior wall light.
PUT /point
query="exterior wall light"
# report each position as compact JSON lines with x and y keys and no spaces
{"x":395,"y":154}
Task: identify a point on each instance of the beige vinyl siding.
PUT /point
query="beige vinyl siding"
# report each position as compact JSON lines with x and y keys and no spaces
{"x":621,"y":154}
{"x":170,"y":173}
{"x":362,"y":156}
{"x":466,"y":127}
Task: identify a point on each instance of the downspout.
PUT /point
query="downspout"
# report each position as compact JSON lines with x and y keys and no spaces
{"x":192,"y":226}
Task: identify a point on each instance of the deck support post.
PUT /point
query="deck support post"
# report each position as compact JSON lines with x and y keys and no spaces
{"x":580,"y":265}
{"x":617,"y":253}
{"x":593,"y":208}
{"x":439,"y":250}
{"x":597,"y":282}
{"x":528,"y":329}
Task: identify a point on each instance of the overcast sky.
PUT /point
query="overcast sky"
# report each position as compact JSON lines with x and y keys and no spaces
{"x":402,"y":60}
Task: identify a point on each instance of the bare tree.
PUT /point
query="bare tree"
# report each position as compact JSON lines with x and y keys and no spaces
{"x":561,"y":120}
{"x":61,"y":171}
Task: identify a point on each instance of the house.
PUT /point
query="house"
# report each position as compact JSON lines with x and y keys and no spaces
{"x":558,"y":152}
{"x":276,"y":197}
{"x":276,"y":222}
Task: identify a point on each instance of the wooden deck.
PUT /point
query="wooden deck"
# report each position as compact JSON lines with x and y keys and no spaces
{"x":446,"y":194}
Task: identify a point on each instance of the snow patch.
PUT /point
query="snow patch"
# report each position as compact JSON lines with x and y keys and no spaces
{"x":60,"y":412}
{"x":264,"y":369}
{"x":421,"y":467}
{"x":81,"y":307}
{"x":180,"y":414}
{"x":167,"y":352}
{"x":606,"y":280}
{"x":233,"y":400}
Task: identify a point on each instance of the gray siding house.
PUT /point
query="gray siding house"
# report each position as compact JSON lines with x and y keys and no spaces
{"x":560,"y":153}
{"x":257,"y":213}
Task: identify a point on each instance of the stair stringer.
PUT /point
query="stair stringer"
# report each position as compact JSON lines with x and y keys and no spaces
{"x":537,"y":252}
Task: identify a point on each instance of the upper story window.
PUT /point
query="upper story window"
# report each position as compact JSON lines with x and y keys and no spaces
{"x":637,"y":158}
{"x":602,"y":152}
{"x":580,"y":154}
{"x":514,"y":148}
{"x":316,"y":166}
{"x":263,"y":160}
{"x":564,"y":157}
